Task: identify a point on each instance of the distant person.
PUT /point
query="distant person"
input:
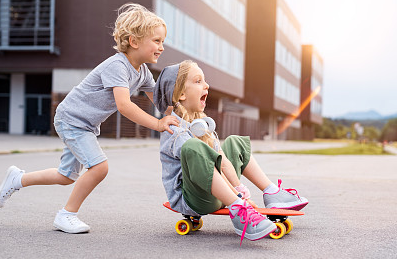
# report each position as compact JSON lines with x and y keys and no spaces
{"x":198,"y":174}
{"x":139,"y":36}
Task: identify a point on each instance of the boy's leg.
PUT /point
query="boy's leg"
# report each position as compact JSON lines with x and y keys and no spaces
{"x":82,"y":149}
{"x":17,"y":178}
{"x":45,"y":177}
{"x":85,"y":184}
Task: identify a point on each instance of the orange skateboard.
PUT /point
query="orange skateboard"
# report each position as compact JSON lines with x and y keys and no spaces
{"x":278,"y":216}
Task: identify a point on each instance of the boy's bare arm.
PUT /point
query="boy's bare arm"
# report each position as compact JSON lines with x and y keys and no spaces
{"x":134,"y":113}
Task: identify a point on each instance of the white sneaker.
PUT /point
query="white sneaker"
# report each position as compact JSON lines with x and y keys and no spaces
{"x":7,"y":187}
{"x":70,"y":223}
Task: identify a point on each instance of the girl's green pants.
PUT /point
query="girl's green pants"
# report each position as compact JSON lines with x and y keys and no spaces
{"x":198,"y":161}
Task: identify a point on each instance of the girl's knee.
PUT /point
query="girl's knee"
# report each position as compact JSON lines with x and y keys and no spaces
{"x":232,"y":139}
{"x":235,"y":142}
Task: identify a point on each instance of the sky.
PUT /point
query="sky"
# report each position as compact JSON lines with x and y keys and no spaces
{"x":357,"y":40}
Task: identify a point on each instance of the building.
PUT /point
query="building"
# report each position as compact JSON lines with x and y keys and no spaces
{"x":273,"y":66}
{"x":311,"y":90}
{"x":213,"y":34}
{"x":249,"y":50}
{"x":49,"y":46}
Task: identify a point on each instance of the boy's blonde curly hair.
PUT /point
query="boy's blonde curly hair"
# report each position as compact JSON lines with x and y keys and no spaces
{"x":134,"y":20}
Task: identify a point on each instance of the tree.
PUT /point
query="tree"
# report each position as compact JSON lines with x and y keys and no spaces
{"x":389,"y":131}
{"x":371,"y":133}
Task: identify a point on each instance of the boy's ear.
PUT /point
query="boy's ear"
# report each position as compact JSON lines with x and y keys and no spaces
{"x":133,"y":42}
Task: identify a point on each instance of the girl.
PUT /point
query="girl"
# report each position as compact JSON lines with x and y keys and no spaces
{"x":198,"y":175}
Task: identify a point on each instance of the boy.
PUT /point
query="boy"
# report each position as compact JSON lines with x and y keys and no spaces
{"x":139,"y":36}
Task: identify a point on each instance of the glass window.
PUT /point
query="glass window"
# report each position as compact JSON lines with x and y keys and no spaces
{"x":210,"y":46}
{"x":179,"y":18}
{"x":225,"y":54}
{"x":189,"y":34}
{"x":241,"y":16}
{"x":168,"y":14}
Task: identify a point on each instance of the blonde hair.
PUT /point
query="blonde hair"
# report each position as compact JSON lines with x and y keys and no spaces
{"x":134,"y":20}
{"x":179,"y":109}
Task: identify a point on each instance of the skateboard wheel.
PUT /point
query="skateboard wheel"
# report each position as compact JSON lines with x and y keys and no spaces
{"x":183,"y":226}
{"x":197,"y":226}
{"x":289,"y":225}
{"x":279,"y":232}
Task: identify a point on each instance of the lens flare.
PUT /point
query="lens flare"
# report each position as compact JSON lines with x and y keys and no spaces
{"x":291,"y":117}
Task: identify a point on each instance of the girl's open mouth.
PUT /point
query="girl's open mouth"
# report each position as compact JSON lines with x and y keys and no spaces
{"x":203,"y":100}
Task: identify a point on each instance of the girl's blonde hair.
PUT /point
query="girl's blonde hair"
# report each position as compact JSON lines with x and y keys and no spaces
{"x":179,"y":109}
{"x":134,"y":20}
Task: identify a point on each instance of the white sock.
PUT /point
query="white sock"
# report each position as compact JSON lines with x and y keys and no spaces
{"x":17,"y":181}
{"x":234,"y":211}
{"x":64,"y":211}
{"x":272,"y":188}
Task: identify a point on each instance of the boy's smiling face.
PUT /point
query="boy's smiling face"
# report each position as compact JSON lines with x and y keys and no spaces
{"x":151,"y":46}
{"x":146,"y":50}
{"x":196,"y":91}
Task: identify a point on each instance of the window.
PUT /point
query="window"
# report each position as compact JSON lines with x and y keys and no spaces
{"x":232,"y":10}
{"x":189,"y":35}
{"x":27,"y":25}
{"x":192,"y":38}
{"x":168,"y":14}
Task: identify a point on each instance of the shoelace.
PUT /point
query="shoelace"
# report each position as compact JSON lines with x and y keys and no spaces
{"x":73,"y":219}
{"x":291,"y":191}
{"x":249,"y":215}
{"x":9,"y":192}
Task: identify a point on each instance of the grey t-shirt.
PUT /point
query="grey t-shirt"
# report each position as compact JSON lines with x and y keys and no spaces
{"x":91,"y":102}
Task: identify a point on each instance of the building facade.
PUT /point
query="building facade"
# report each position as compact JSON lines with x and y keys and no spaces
{"x":311,"y":90}
{"x":249,"y":50}
{"x":273,"y":67}
{"x":48,"y":47}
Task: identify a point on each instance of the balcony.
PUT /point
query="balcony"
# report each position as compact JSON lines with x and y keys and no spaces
{"x":27,"y":25}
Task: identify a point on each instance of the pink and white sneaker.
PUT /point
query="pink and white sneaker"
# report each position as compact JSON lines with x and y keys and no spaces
{"x":284,"y":199}
{"x":248,"y":223}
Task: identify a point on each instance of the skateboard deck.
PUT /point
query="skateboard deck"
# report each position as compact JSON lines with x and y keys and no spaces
{"x":278,"y":216}
{"x":263,"y":211}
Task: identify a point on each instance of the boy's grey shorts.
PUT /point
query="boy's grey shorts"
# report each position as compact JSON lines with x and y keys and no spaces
{"x":81,"y":149}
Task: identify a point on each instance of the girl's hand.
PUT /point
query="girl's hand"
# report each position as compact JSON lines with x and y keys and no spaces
{"x":243,"y":190}
{"x":165,"y":122}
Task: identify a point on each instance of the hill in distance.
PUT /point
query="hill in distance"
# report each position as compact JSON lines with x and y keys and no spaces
{"x":365,"y":115}
{"x":367,"y":118}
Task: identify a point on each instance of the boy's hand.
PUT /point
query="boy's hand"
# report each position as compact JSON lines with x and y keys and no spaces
{"x":165,"y":122}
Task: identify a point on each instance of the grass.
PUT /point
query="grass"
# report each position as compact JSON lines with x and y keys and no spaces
{"x":352,"y":149}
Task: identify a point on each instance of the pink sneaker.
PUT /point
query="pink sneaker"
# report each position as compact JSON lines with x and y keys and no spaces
{"x":250,"y":224}
{"x":284,"y":199}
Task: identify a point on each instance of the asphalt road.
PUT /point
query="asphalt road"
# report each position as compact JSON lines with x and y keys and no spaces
{"x":352,"y":211}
